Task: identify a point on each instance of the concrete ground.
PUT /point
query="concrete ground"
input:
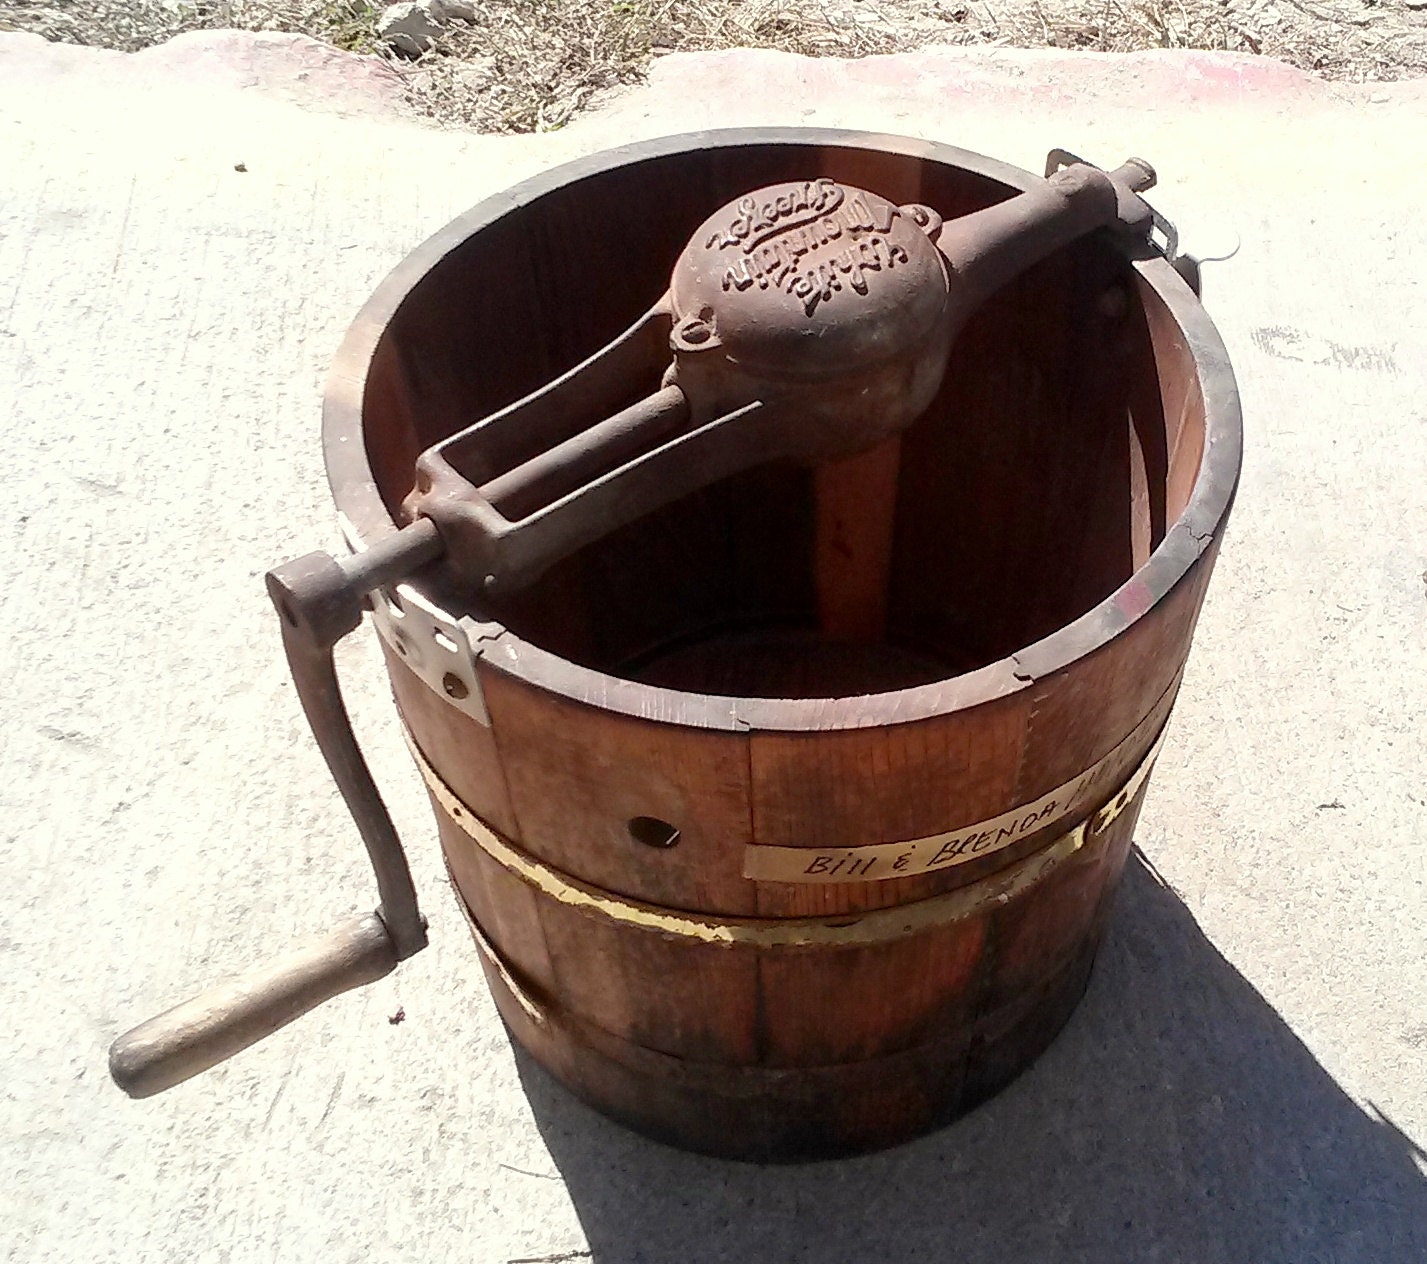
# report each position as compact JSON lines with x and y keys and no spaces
{"x":1247,"y":1078}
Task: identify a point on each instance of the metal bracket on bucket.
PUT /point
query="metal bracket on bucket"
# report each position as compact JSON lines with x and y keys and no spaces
{"x":319,"y":600}
{"x":435,"y":644}
{"x":1162,"y":234}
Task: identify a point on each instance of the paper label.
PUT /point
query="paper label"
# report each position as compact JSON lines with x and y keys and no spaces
{"x":880,"y":861}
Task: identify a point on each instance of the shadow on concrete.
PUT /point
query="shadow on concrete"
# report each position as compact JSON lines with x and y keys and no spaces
{"x":1176,"y":1119}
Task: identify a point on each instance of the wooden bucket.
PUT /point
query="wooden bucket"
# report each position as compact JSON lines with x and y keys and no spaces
{"x":788,"y":818}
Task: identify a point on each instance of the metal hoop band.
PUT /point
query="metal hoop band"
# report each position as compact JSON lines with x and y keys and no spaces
{"x":844,"y":930}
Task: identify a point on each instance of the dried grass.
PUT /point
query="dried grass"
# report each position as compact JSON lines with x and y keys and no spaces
{"x":529,"y":65}
{"x":130,"y":25}
{"x":534,"y":63}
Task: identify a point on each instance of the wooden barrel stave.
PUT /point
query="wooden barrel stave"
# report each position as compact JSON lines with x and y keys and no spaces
{"x":818,"y":1110}
{"x":620,"y":1009}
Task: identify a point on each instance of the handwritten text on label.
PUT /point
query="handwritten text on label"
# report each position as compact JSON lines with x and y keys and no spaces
{"x":881,"y":861}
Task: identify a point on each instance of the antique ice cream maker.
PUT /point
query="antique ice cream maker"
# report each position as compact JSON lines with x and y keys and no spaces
{"x":785,"y":546}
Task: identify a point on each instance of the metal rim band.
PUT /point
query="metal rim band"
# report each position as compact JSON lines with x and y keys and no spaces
{"x":845,"y":930}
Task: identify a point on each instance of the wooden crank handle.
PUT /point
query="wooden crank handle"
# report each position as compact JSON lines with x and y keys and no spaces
{"x":211,"y":1027}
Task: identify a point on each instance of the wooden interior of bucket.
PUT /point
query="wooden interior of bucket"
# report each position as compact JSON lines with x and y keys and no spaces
{"x":1066,"y":436}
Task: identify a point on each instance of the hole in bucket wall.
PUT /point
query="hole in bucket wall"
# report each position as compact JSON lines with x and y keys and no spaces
{"x":653,"y":832}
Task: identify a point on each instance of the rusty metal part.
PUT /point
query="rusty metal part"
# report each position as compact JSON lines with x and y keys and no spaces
{"x":806,"y":289}
{"x":806,"y":321}
{"x":429,"y":287}
{"x":566,"y":467}
{"x":319,"y":600}
{"x":1136,"y":215}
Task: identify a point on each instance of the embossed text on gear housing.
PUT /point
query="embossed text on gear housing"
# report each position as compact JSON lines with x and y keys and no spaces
{"x":808,"y":241}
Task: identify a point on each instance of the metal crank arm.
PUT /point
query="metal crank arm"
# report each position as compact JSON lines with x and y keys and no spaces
{"x":567,"y":498}
{"x":737,"y":441}
{"x":319,"y":600}
{"x":550,"y":416}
